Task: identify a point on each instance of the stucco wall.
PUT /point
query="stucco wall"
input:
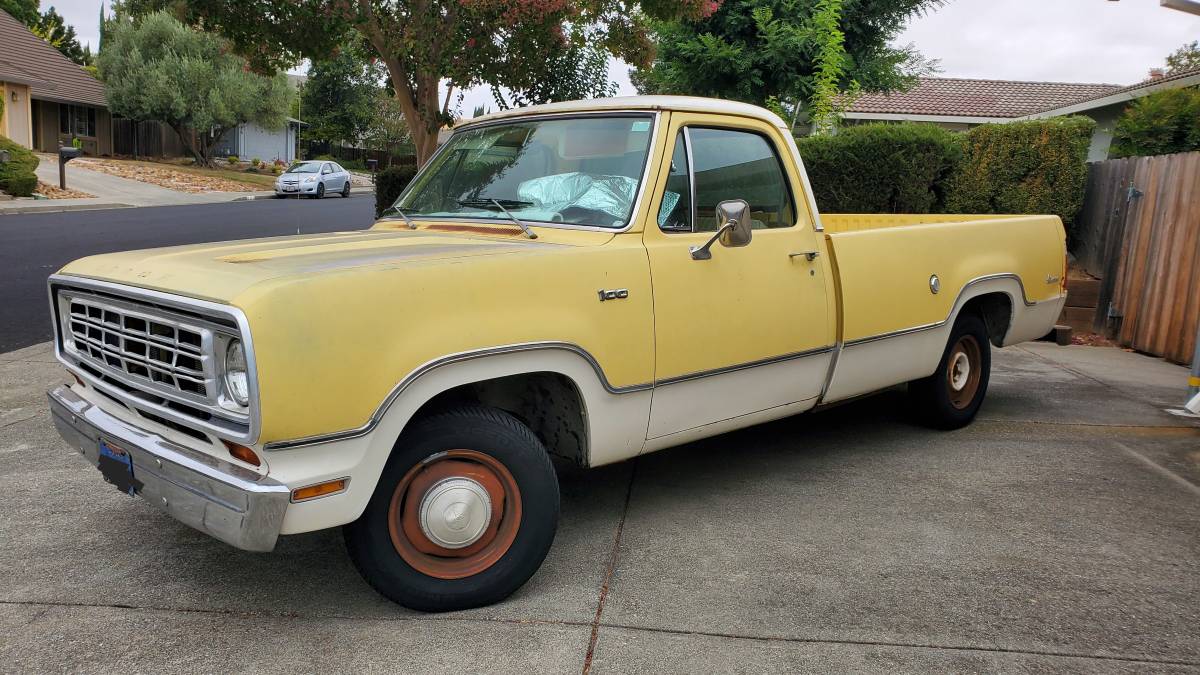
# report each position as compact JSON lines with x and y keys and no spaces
{"x":17,"y":114}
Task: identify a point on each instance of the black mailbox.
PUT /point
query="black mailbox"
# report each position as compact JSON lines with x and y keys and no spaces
{"x":65,"y":154}
{"x":372,"y":164}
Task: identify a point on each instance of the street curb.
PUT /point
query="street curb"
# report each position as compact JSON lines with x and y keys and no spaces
{"x":60,"y":209}
{"x":354,"y":192}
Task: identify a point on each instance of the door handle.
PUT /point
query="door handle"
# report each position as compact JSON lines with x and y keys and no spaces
{"x":810,"y":255}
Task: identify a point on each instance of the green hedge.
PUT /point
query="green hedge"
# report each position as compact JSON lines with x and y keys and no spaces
{"x":1162,"y":123}
{"x":389,"y":183}
{"x":882,"y":168}
{"x":1038,"y":166}
{"x":17,"y":177}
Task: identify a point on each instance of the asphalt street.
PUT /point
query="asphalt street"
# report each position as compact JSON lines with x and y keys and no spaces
{"x":1058,"y":533}
{"x":36,"y":245}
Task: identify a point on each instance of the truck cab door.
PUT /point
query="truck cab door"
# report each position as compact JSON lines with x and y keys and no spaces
{"x":745,"y":335}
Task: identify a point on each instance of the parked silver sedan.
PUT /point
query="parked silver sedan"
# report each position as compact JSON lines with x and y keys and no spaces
{"x":313,"y":179}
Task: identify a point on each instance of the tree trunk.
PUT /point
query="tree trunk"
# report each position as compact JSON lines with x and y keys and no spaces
{"x":185,"y":137}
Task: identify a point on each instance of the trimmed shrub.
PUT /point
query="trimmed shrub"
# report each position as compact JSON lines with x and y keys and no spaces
{"x":1162,"y":123}
{"x":17,"y":176}
{"x":232,"y":159}
{"x":881,"y":168}
{"x":22,"y":186}
{"x":1038,"y":166}
{"x":256,"y":162}
{"x":389,"y":183}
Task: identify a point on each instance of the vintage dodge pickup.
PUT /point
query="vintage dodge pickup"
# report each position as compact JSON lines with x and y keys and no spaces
{"x":591,"y":280}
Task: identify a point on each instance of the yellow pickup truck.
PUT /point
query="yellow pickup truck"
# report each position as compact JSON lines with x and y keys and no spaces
{"x":589,"y":280}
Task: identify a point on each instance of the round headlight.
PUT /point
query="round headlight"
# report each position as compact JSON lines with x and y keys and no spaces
{"x":237,"y":382}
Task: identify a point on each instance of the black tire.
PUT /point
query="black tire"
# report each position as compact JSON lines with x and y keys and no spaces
{"x":935,"y":399}
{"x":502,"y":438}
{"x":346,"y":190}
{"x":320,"y":190}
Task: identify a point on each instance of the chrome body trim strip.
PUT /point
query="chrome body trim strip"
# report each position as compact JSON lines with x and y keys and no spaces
{"x":408,"y":380}
{"x":655,"y":117}
{"x":167,"y":300}
{"x":425,"y":368}
{"x":743,"y":366}
{"x":953,"y":311}
{"x":219,"y":498}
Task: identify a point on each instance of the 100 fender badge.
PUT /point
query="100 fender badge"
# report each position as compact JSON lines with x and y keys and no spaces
{"x":615,"y":294}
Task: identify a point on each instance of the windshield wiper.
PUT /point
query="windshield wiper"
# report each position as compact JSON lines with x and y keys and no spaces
{"x":500,"y":204}
{"x":408,"y":221}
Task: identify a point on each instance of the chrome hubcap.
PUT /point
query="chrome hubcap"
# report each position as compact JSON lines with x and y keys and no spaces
{"x":455,"y":512}
{"x":960,"y":371}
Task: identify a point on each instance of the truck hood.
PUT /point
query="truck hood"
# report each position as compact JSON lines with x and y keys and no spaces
{"x":220,"y":272}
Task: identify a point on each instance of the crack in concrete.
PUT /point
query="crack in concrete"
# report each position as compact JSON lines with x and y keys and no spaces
{"x":44,"y":604}
{"x":608,"y":572}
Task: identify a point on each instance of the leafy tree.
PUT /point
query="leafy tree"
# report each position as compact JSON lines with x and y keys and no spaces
{"x":1185,"y":58}
{"x":25,"y":11}
{"x":340,"y":97}
{"x":52,"y":28}
{"x":424,"y":43}
{"x":578,"y":71}
{"x":1159,"y":124}
{"x":758,"y":50}
{"x":387,"y":129}
{"x":157,"y":68}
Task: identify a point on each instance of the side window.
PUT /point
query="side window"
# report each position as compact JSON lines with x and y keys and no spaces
{"x":325,"y":169}
{"x":739,"y":165}
{"x":675,"y":214}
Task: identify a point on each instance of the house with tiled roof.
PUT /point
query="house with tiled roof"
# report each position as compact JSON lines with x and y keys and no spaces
{"x":960,"y":104}
{"x":48,"y":99}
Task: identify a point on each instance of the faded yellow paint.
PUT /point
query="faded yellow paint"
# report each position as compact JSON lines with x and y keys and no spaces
{"x":745,"y":304}
{"x":884,"y":271}
{"x":337,"y":320}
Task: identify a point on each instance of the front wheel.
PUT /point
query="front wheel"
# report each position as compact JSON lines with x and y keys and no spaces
{"x":950,"y":398}
{"x":463,"y":515}
{"x":320,"y":190}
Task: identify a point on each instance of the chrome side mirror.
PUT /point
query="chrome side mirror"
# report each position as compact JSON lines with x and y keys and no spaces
{"x":735,"y":231}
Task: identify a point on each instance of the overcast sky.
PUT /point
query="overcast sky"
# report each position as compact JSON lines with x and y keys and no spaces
{"x":1046,"y":40}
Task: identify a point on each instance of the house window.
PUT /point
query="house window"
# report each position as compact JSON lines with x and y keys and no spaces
{"x":77,"y":120}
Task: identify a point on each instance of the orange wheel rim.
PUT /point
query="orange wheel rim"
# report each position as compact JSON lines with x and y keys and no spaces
{"x":964,"y":370}
{"x":455,"y":514}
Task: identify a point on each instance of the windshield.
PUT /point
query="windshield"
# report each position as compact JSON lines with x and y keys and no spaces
{"x":581,"y":171}
{"x":305,"y":167}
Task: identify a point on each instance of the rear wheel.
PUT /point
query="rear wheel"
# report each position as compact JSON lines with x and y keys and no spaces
{"x":463,"y":515}
{"x":346,"y":189}
{"x":950,"y":398}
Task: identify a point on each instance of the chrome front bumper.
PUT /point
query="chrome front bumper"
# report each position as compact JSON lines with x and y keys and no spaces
{"x":219,"y":498}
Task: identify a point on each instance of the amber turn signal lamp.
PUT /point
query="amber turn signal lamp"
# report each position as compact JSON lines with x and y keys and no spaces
{"x":243,"y":453}
{"x":319,"y":490}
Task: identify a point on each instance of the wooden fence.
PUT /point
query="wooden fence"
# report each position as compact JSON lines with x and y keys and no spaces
{"x":145,"y":139}
{"x":1139,"y":231}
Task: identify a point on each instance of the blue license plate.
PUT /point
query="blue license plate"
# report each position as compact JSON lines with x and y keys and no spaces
{"x":116,"y":465}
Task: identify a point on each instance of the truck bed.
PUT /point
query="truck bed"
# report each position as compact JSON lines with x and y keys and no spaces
{"x":854,"y":222}
{"x":888,"y":306}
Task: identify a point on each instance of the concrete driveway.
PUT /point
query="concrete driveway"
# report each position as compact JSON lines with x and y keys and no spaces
{"x":1060,"y":532}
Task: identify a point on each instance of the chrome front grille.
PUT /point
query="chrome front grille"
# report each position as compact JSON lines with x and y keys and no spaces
{"x":158,"y":351}
{"x":160,"y":361}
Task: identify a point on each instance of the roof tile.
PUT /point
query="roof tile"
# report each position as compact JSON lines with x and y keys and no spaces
{"x":51,"y":75}
{"x":946,"y":96}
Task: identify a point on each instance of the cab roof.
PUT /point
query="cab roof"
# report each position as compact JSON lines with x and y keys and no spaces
{"x":653,"y":103}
